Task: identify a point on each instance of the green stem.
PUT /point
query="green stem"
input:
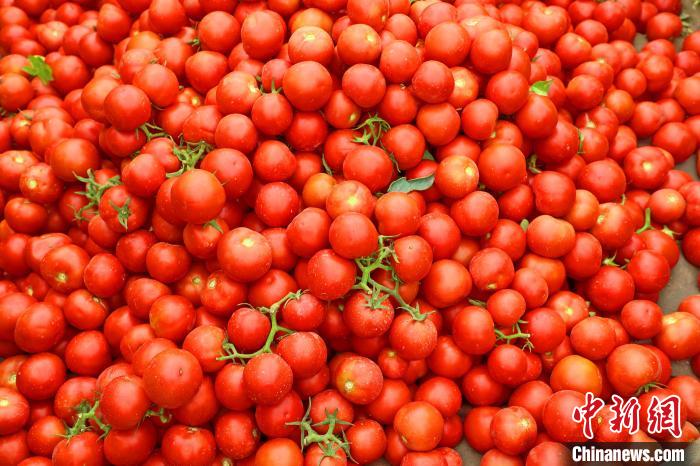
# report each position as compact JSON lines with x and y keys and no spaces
{"x":532,"y":164}
{"x":373,"y":128}
{"x":189,"y":156}
{"x":275,"y":328}
{"x":610,"y":261}
{"x":377,"y":291}
{"x":669,"y":232}
{"x":152,"y":131}
{"x":93,"y":192}
{"x":502,"y":336}
{"x":647,"y":221}
{"x":329,"y":442}
{"x":86,"y":413}
{"x":160,"y":413}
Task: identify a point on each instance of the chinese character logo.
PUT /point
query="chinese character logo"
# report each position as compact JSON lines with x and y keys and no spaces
{"x":585,"y":414}
{"x":663,"y":415}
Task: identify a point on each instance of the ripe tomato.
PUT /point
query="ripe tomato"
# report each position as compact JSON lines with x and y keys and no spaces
{"x":172,"y":378}
{"x":419,"y":425}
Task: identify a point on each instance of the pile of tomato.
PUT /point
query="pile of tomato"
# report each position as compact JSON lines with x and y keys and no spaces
{"x":325,"y":232}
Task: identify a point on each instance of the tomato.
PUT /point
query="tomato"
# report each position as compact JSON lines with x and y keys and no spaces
{"x":513,"y":430}
{"x":563,"y":375}
{"x":419,"y":425}
{"x":642,"y":319}
{"x":446,"y":283}
{"x":230,"y":389}
{"x":188,"y":445}
{"x":167,"y":262}
{"x":86,"y":448}
{"x":172,"y":378}
{"x":244,"y":254}
{"x":331,"y":275}
{"x":358,"y":379}
{"x":685,"y":387}
{"x":236,"y":434}
{"x":593,"y":338}
{"x":127,"y":107}
{"x":172,"y":317}
{"x":274,"y":420}
{"x":134,"y":445}
{"x":45,"y":434}
{"x":267,"y":378}
{"x":678,"y":329}
{"x":88,"y":353}
{"x":505,"y":364}
{"x":15,"y":411}
{"x":124,"y":402}
{"x":367,"y":441}
{"x":198,"y":196}
{"x":628,"y":379}
{"x":279,"y":452}
{"x":39,"y":327}
{"x":473,"y":330}
{"x":549,"y":453}
{"x":413,"y":339}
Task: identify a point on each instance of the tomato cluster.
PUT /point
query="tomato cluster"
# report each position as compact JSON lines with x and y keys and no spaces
{"x":309,"y":232}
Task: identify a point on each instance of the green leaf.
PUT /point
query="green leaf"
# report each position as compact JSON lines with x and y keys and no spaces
{"x":403,"y":185}
{"x":541,"y":87}
{"x":428,"y":156}
{"x":38,"y":68}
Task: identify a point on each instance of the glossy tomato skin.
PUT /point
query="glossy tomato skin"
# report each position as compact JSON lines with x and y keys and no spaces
{"x":85,"y":446}
{"x":366,"y":208}
{"x":420,"y":425}
{"x":172,"y":377}
{"x":188,"y":445}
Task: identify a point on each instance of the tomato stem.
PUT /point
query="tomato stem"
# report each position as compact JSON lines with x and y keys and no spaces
{"x":152,"y":131}
{"x":93,"y":192}
{"x":123,"y":212}
{"x":610,"y":261}
{"x":669,"y":232}
{"x":648,"y":387}
{"x":532,"y":164}
{"x":329,"y":442}
{"x":377,"y":292}
{"x":86,"y":412}
{"x":230,"y":349}
{"x":513,"y":336}
{"x":647,"y":221}
{"x":215,"y":225}
{"x":373,"y":128}
{"x":189,"y":156}
{"x":160,"y":413}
